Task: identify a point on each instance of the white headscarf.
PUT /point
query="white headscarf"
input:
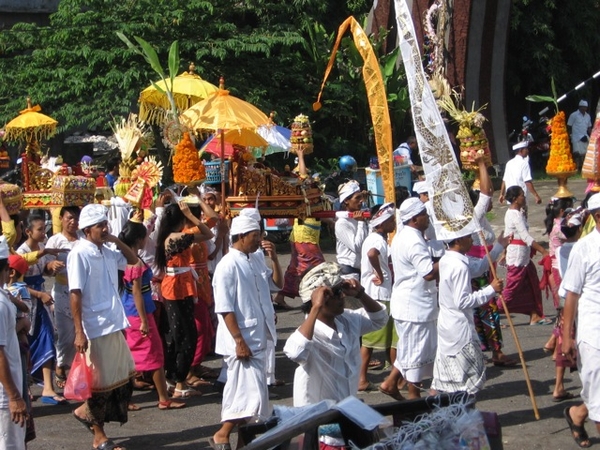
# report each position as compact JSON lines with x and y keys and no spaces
{"x":348,"y":189}
{"x":207,"y":190}
{"x":421,"y":187}
{"x":251,"y":213}
{"x":242,"y":224}
{"x":410,"y":208}
{"x":91,"y":215}
{"x":386,"y":211}
{"x":325,"y":274}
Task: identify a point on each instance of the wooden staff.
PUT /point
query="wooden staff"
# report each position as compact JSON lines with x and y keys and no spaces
{"x":513,"y":331}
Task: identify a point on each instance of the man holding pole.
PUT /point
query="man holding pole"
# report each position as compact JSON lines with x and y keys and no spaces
{"x":582,"y":283}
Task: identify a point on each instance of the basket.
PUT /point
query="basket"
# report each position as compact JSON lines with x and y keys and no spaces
{"x":12,"y":197}
{"x":213,"y":171}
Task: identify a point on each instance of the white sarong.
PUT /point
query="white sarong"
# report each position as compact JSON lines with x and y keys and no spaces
{"x":464,"y":371}
{"x":417,"y":343}
{"x":589,"y":372}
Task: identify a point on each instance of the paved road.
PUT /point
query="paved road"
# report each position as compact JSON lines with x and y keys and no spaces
{"x":505,"y":392}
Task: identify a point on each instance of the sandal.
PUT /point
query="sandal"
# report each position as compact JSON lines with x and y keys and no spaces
{"x":185,"y":393}
{"x":60,"y":381}
{"x":140,"y":385}
{"x":375,"y":364}
{"x":395,"y":395}
{"x":85,"y":422}
{"x":109,"y":445}
{"x":582,"y":435}
{"x":215,"y":446}
{"x":170,"y":404}
{"x":195,"y":382}
{"x":133,"y":407}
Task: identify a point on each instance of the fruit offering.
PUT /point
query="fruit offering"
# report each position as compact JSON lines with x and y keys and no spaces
{"x":560,"y":160}
{"x":302,"y":138}
{"x":187,"y":167}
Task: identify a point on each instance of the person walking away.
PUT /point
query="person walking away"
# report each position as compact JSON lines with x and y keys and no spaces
{"x":579,"y":126}
{"x":517,"y":172}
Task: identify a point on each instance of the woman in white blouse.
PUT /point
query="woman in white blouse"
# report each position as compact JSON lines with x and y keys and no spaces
{"x":522,"y":292}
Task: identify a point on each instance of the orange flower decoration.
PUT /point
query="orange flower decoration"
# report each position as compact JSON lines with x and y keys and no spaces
{"x":187,"y":167}
{"x":560,"y":159}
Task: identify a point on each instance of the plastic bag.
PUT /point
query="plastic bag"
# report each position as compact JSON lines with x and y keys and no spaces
{"x":79,"y":381}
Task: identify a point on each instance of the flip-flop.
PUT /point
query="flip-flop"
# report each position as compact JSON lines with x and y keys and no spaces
{"x":86,"y":423}
{"x":565,"y":396}
{"x":60,"y":381}
{"x":53,"y":400}
{"x":109,"y":445}
{"x":369,"y":388}
{"x":544,"y":321}
{"x":170,"y":404}
{"x":395,"y":395}
{"x":133,"y":407}
{"x":185,"y":393}
{"x":375,"y":364}
{"x":197,"y":382}
{"x":139,"y":385}
{"x":548,"y":350}
{"x":215,"y":446}
{"x":505,"y":362}
{"x":582,"y":435}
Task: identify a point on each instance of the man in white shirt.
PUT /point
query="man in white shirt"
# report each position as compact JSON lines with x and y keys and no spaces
{"x":459,"y":363}
{"x":350,"y":232}
{"x":242,"y":286}
{"x":518,"y":173}
{"x":582,"y":284}
{"x":414,"y":300}
{"x":436,"y":247}
{"x":99,"y":319}
{"x":13,"y":411}
{"x":579,"y":126}
{"x":405,"y":150}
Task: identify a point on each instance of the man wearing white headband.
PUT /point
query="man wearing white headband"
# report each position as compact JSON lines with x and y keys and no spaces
{"x":99,"y":318}
{"x":413,"y":302}
{"x":376,"y":278}
{"x":518,"y":173}
{"x":350,"y":232}
{"x":579,"y":126}
{"x":242,"y":286}
{"x":436,"y":247}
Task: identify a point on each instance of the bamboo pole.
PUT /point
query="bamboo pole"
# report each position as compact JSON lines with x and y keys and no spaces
{"x":513,"y":331}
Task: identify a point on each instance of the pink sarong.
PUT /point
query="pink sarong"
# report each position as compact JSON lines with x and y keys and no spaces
{"x":522,"y":291}
{"x":205,"y":330}
{"x":147,"y":351}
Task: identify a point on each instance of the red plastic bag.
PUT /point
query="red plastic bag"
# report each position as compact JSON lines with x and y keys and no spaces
{"x":79,"y":381}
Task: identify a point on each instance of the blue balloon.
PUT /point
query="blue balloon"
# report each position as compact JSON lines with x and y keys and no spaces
{"x":348,"y":164}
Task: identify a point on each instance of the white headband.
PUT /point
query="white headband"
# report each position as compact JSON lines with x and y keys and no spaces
{"x":519,"y":145}
{"x":348,"y":189}
{"x":251,"y":213}
{"x":386,"y":211}
{"x":242,"y":224}
{"x":91,"y":215}
{"x":410,"y":208}
{"x":421,"y":187}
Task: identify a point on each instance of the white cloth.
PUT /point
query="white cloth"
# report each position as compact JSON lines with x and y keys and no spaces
{"x":118,"y":215}
{"x":242,"y":285}
{"x":325,"y":274}
{"x":583,"y":277}
{"x":562,"y":254}
{"x":415,"y":355}
{"x":421,"y":187}
{"x":251,"y":213}
{"x":588,"y":362}
{"x":517,"y":172}
{"x":480,"y":212}
{"x":383,"y":292}
{"x":4,"y":251}
{"x":243,"y":224}
{"x":329,"y":363}
{"x":456,"y":327}
{"x":94,"y":271}
{"x":10,"y":344}
{"x":410,"y":208}
{"x":91,"y":215}
{"x":386,"y":211}
{"x":12,"y":435}
{"x":593,"y":202}
{"x":579,"y":123}
{"x":348,"y":189}
{"x":436,"y":247}
{"x":464,"y":371}
{"x":404,"y":151}
{"x":413,"y":299}
{"x":349,"y":236}
{"x":515,"y":224}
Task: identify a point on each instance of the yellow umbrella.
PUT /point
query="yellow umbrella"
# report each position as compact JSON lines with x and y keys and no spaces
{"x":188,"y":89}
{"x":30,"y":125}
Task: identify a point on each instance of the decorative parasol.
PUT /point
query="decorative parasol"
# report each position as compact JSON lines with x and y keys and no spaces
{"x":188,"y":89}
{"x":277,"y":137}
{"x":30,"y":125}
{"x":221,"y":112}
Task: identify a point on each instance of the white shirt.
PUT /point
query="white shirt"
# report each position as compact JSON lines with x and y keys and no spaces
{"x":515,"y":224}
{"x":562,"y":254}
{"x":94,"y":271}
{"x":242,"y":285}
{"x":480,"y":212}
{"x":579,"y":123}
{"x":436,"y":248}
{"x":330,"y":361}
{"x":10,"y":344}
{"x":583,"y":277}
{"x":404,"y":151}
{"x":349,"y":235}
{"x":413,"y":298}
{"x":456,"y":327}
{"x":517,"y":172}
{"x":383,"y":292}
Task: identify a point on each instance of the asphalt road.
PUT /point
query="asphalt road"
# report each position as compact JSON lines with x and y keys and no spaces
{"x":505,"y":392}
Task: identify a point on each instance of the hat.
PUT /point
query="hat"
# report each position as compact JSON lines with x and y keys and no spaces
{"x":421,"y":187}
{"x":207,"y":190}
{"x":325,"y":274}
{"x":410,"y":208}
{"x":583,"y":103}
{"x":4,"y":252}
{"x":348,"y":189}
{"x":91,"y":215}
{"x":386,"y":211}
{"x":243,"y":224}
{"x":519,"y":145}
{"x":251,"y":213}
{"x":574,"y":220}
{"x":593,"y":202}
{"x":18,"y":263}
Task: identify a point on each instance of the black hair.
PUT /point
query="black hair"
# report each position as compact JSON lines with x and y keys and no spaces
{"x":132,"y":232}
{"x":74,"y":210}
{"x":112,"y":163}
{"x":32,"y":219}
{"x":306,"y":307}
{"x":402,"y":194}
{"x":3,"y":264}
{"x":553,"y":210}
{"x":474,"y":195}
{"x":375,"y":209}
{"x":512,"y":193}
{"x":568,"y":231}
{"x":172,"y":218}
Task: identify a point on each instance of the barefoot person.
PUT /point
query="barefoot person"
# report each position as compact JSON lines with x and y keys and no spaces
{"x":99,"y":321}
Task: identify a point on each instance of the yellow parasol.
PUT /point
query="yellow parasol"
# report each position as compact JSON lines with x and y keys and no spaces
{"x":30,"y":125}
{"x":221,"y":112}
{"x":188,"y":89}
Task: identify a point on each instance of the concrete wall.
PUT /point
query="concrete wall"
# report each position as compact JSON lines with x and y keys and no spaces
{"x":28,"y":6}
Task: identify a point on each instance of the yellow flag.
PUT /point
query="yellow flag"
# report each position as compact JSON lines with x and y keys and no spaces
{"x":377,"y":101}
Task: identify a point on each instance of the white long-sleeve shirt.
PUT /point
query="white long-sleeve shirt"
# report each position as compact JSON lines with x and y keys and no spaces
{"x":350,"y":235}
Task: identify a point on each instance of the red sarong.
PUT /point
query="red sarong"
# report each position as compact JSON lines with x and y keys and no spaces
{"x":522,"y":291}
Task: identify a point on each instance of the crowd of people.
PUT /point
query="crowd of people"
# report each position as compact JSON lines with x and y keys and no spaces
{"x":146,"y":296}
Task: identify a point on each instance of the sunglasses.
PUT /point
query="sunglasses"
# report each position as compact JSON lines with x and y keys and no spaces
{"x":338,"y":288}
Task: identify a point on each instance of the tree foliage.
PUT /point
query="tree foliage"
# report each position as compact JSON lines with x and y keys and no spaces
{"x":271,"y":54}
